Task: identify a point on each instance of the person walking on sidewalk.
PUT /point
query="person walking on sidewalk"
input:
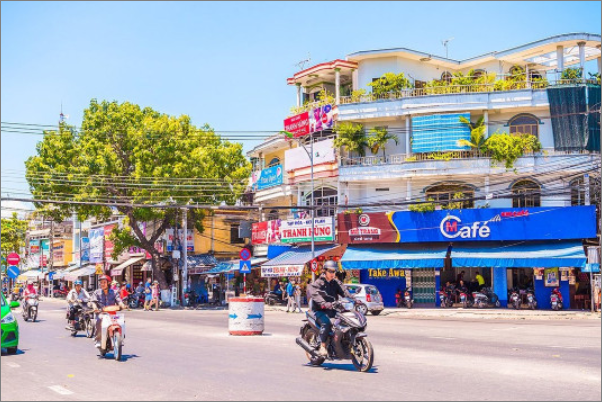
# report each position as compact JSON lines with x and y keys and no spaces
{"x":155,"y":295}
{"x":290,"y":294}
{"x":297,"y":298}
{"x":148,"y":295}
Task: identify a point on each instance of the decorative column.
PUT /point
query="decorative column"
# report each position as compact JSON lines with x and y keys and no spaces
{"x":337,"y":86}
{"x":582,"y":58}
{"x":298,"y":95}
{"x":409,"y":189}
{"x":354,"y":80}
{"x":560,"y":58}
{"x":486,"y":122}
{"x":527,"y":76}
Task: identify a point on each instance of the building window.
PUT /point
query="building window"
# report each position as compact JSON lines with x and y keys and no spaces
{"x":524,"y":124}
{"x":273,"y":215}
{"x":274,"y":162}
{"x":326,"y":199}
{"x":234,"y":238}
{"x":526,"y":193}
{"x":446,"y":77}
{"x":445,"y":193}
{"x":479,"y":73}
{"x":579,"y":191}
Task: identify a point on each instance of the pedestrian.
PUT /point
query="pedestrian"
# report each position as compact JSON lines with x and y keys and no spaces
{"x":155,"y":295}
{"x":298,"y":297}
{"x":148,"y":295}
{"x":460,"y":277}
{"x":480,"y":280}
{"x":124,"y":293}
{"x":290,"y":294}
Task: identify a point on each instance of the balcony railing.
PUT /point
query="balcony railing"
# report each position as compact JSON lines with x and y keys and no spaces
{"x":464,"y":89}
{"x":398,"y":159}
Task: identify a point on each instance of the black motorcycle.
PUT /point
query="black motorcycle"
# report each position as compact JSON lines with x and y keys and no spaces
{"x":134,"y":300}
{"x":515,"y":299}
{"x":347,"y":340}
{"x":192,"y":299}
{"x":485,"y":298}
{"x":405,"y":299}
{"x":83,"y":319}
{"x":445,"y":298}
{"x":531,"y":301}
{"x":273,"y":298}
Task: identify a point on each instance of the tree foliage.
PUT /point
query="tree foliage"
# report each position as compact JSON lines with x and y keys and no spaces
{"x":13,"y":235}
{"x":508,"y":148}
{"x":477,"y":134}
{"x":390,"y":83}
{"x":125,"y":154}
{"x":351,"y":137}
{"x":378,"y":138}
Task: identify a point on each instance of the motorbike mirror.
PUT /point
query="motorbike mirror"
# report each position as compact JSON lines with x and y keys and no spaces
{"x":14,"y":304}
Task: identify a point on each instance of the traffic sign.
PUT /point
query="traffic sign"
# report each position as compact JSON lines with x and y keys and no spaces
{"x":245,"y":267}
{"x":245,"y":254}
{"x":99,"y":270}
{"x":13,"y":272}
{"x":3,"y":268}
{"x":13,"y":259}
{"x":314,"y":266}
{"x":50,"y":276}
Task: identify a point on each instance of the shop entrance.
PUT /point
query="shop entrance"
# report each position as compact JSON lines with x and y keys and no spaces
{"x":469,"y":277}
{"x":423,"y":285}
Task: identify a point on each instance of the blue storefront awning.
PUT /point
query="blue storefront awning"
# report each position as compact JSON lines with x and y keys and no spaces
{"x":234,"y":265}
{"x":522,"y":255}
{"x":394,"y":256}
{"x":297,"y":256}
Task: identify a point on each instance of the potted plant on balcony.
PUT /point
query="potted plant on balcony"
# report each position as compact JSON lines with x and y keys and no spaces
{"x":351,"y":137}
{"x":390,"y":84}
{"x":378,"y":139}
{"x":478,"y":141}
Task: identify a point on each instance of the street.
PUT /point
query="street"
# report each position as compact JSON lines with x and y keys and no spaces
{"x":188,"y":355}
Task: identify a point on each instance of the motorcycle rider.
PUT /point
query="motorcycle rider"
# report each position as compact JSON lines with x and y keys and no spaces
{"x":324,"y":292}
{"x":104,"y":297}
{"x":30,"y":289}
{"x":78,"y":293}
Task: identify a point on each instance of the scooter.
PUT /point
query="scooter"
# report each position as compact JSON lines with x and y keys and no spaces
{"x":531,"y":302}
{"x":348,"y":339}
{"x":191,"y":298}
{"x":112,"y":331}
{"x":515,"y":299}
{"x":445,"y":298}
{"x":464,"y":299}
{"x":135,"y":300}
{"x":485,"y":298}
{"x":556,"y":299}
{"x":272,"y":299}
{"x":30,"y":307}
{"x":406,"y":300}
{"x":84,"y":320}
{"x":56,"y":293}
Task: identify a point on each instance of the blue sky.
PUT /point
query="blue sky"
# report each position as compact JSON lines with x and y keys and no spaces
{"x":226,"y":63}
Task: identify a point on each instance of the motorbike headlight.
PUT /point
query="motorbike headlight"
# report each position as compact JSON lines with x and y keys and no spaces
{"x":8,"y":318}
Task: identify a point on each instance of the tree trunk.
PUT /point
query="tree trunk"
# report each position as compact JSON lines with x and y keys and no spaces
{"x":158,"y":273}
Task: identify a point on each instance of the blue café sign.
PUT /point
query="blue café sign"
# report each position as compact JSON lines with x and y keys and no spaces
{"x":496,"y":224}
{"x":270,"y":177}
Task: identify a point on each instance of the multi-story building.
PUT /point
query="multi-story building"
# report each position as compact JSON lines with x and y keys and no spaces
{"x":417,"y":99}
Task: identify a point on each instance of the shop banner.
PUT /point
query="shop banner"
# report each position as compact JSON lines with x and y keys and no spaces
{"x":270,"y":177}
{"x":297,"y":158}
{"x":266,"y":232}
{"x":109,"y":245}
{"x":97,"y":237}
{"x":33,"y":258}
{"x":299,"y":230}
{"x":170,"y":239}
{"x":282,"y":270}
{"x":321,"y":118}
{"x":34,"y":247}
{"x":45,"y":246}
{"x":492,"y":224}
{"x":58,"y":253}
{"x":85,"y":253}
{"x":298,"y":125}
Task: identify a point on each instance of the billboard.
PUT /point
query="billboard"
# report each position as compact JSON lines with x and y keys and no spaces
{"x":109,"y":245}
{"x":97,"y":237}
{"x":297,"y":158}
{"x":282,"y":270}
{"x":299,"y":230}
{"x":321,"y":118}
{"x":298,"y":125}
{"x":270,"y":177}
{"x":266,"y":232}
{"x":170,"y":239}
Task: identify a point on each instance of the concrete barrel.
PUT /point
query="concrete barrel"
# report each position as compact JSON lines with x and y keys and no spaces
{"x":246,"y":316}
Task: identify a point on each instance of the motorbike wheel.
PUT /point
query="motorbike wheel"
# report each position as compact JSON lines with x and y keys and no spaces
{"x":376,"y":312}
{"x":117,"y":346}
{"x":313,"y":339}
{"x":12,"y":351}
{"x":555,"y":307}
{"x":270,"y":302}
{"x":25,"y":315}
{"x":410,"y":305}
{"x":362,"y":355}
{"x":90,"y":328}
{"x":497,"y":304}
{"x":34,"y":316}
{"x":465,"y":304}
{"x":133,"y":304}
{"x":361,"y":308}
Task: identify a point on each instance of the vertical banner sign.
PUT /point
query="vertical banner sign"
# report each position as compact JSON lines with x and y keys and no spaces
{"x":33,"y":258}
{"x":109,"y":245}
{"x":97,"y":237}
{"x":45,"y":252}
{"x":321,"y":118}
{"x":85,"y":252}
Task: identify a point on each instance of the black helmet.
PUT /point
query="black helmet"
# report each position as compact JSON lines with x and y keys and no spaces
{"x":330,"y":264}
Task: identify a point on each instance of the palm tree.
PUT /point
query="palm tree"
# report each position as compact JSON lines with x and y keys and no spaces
{"x":477,"y":142}
{"x":351,"y":137}
{"x":379,"y":136}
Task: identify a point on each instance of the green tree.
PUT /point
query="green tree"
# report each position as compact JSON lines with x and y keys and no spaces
{"x":477,"y":142}
{"x":127,"y":155}
{"x":13,"y":235}
{"x":378,"y":138}
{"x":390,"y":82}
{"x":351,"y":137}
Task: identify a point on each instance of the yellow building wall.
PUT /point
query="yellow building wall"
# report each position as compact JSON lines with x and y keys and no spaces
{"x":221,"y":233}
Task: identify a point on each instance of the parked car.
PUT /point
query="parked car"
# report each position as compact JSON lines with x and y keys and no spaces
{"x":370,"y":299}
{"x":10,"y":328}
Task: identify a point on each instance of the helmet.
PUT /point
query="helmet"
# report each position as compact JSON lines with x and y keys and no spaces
{"x":155,"y":281}
{"x":30,"y":282}
{"x":331,"y":265}
{"x":124,"y":283}
{"x":77,"y":282}
{"x":128,"y":286}
{"x":104,"y":278}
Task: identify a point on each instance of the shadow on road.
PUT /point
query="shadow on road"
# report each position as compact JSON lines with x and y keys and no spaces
{"x":342,"y":367}
{"x":111,"y":356}
{"x":19,"y":352}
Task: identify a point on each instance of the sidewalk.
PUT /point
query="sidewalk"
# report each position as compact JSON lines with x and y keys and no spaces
{"x":484,"y":314}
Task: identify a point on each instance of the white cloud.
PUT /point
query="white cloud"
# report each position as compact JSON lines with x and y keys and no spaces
{"x":8,"y":207}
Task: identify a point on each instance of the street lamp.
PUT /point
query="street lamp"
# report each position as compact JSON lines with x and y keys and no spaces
{"x":310,"y":154}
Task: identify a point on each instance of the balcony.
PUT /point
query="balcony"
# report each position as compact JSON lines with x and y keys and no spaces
{"x":397,"y":166}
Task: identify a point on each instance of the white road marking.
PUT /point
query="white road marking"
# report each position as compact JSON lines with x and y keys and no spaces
{"x":565,"y":347}
{"x":441,"y":337}
{"x":60,"y":390}
{"x":13,"y":365}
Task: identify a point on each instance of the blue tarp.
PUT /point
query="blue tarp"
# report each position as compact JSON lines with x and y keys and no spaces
{"x":521,"y":255}
{"x":298,"y":256}
{"x":394,"y":256}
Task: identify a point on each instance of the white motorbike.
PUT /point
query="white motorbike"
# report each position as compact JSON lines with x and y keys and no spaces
{"x":30,"y":307}
{"x":112,"y":331}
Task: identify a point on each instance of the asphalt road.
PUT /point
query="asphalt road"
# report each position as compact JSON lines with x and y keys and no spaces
{"x":188,"y":355}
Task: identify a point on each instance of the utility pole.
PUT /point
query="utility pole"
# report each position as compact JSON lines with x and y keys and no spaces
{"x":184,"y":254}
{"x":313,"y":209}
{"x":51,"y":246}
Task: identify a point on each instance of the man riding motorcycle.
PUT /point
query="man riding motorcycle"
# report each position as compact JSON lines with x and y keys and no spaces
{"x":76,"y":294}
{"x":324,"y":292}
{"x":30,"y":290}
{"x":104,"y":297}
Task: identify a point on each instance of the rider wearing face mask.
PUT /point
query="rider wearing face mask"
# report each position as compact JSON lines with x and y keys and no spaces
{"x":105,"y":297}
{"x":76,"y":294}
{"x":324,"y":292}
